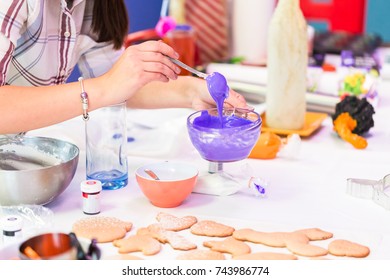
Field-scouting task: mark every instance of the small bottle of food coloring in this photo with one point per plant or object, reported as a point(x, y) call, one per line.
point(91, 196)
point(11, 226)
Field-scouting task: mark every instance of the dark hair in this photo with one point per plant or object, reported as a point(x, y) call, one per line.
point(110, 21)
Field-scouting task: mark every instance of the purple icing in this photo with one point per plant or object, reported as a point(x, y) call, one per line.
point(232, 142)
point(207, 121)
point(219, 90)
point(217, 86)
point(223, 135)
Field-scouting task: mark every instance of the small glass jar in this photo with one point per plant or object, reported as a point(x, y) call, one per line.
point(182, 40)
point(91, 190)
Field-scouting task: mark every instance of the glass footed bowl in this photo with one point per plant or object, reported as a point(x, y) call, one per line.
point(228, 143)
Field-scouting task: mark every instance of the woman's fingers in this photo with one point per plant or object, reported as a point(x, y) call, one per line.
point(156, 62)
point(155, 67)
point(154, 59)
point(236, 100)
point(157, 47)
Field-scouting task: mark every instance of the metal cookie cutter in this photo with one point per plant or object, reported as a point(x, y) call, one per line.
point(371, 189)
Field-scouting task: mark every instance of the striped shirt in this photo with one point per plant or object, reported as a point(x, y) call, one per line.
point(41, 41)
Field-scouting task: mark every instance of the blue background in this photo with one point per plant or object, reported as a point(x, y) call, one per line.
point(143, 14)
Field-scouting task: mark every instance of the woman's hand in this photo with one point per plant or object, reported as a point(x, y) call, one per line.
point(138, 66)
point(201, 98)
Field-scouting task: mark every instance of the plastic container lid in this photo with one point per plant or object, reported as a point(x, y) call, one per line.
point(183, 27)
point(11, 223)
point(91, 186)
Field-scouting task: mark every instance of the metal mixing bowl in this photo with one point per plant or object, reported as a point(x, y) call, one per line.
point(35, 170)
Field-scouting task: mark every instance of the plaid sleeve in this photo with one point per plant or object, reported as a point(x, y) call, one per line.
point(13, 14)
point(94, 58)
point(98, 59)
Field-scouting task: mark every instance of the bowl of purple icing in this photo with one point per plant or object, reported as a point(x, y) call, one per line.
point(224, 138)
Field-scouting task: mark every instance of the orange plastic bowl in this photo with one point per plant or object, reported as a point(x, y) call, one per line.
point(176, 182)
point(267, 146)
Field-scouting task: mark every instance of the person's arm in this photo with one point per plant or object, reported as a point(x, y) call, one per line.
point(185, 92)
point(27, 108)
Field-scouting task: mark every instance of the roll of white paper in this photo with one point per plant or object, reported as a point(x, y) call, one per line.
point(250, 20)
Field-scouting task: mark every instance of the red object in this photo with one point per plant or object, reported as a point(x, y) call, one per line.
point(341, 15)
point(182, 40)
point(141, 36)
point(327, 67)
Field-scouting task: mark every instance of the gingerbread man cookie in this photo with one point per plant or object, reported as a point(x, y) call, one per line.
point(138, 243)
point(212, 229)
point(170, 222)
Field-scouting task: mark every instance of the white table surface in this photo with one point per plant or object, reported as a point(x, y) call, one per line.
point(309, 191)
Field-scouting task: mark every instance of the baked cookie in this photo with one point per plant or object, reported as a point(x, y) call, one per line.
point(305, 249)
point(341, 247)
point(138, 243)
point(298, 242)
point(201, 255)
point(175, 240)
point(229, 245)
point(315, 234)
point(103, 229)
point(212, 229)
point(122, 257)
point(170, 222)
point(272, 239)
point(265, 256)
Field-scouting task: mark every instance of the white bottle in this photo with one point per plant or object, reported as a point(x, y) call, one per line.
point(287, 65)
point(251, 15)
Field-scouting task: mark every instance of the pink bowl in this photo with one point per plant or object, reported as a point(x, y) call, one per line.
point(175, 184)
